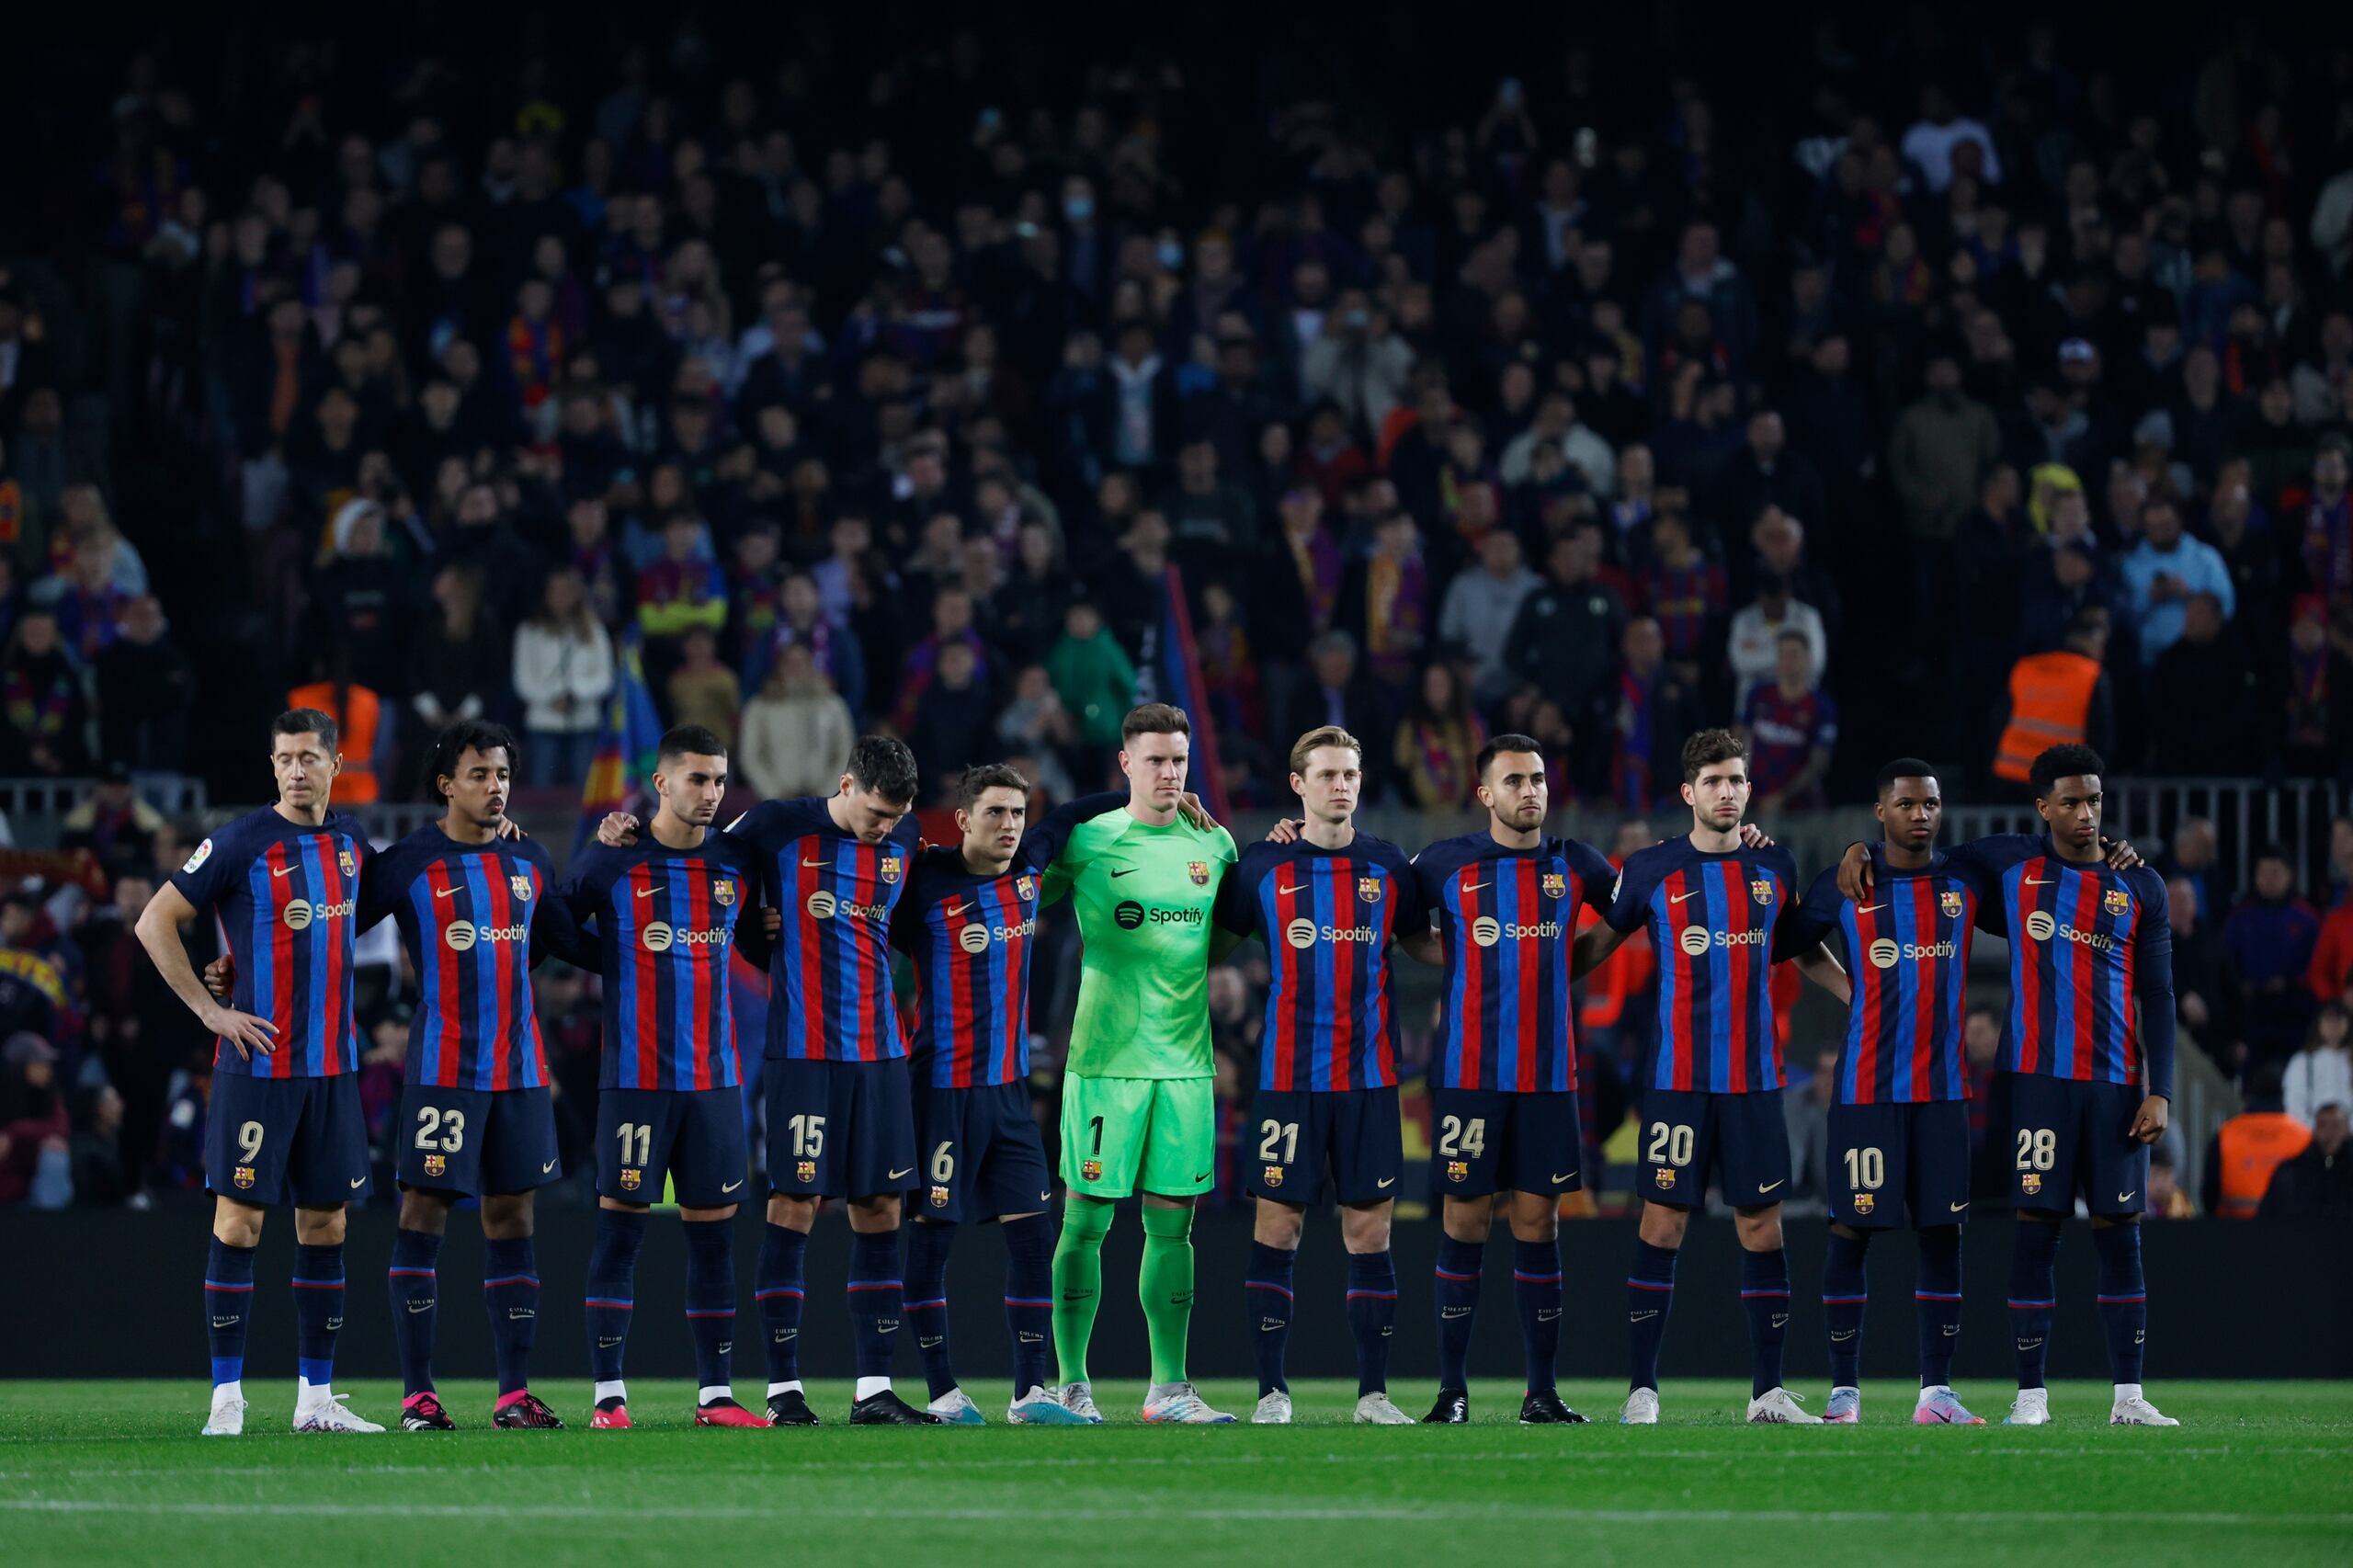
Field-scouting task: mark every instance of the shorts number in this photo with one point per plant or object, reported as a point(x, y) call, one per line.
point(1096, 1123)
point(641, 1134)
point(1457, 1137)
point(808, 1136)
point(1671, 1145)
point(446, 1130)
point(943, 1163)
point(1865, 1168)
point(1273, 1132)
point(249, 1139)
point(2038, 1149)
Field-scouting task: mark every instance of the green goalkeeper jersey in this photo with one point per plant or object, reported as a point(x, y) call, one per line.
point(1143, 895)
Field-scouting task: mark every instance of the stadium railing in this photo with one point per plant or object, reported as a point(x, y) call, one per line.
point(2247, 814)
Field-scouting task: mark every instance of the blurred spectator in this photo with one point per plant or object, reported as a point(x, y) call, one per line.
point(2249, 1147)
point(2321, 1073)
point(1482, 608)
point(701, 689)
point(1658, 709)
point(35, 1164)
point(457, 665)
point(1793, 728)
point(1684, 592)
point(952, 729)
point(114, 825)
point(1566, 640)
point(1808, 1114)
point(1437, 744)
point(2197, 984)
point(2058, 698)
point(146, 689)
point(2267, 944)
point(797, 732)
point(2166, 1199)
point(1753, 646)
point(44, 720)
point(2318, 1183)
point(563, 672)
point(1336, 692)
point(1095, 680)
point(2165, 573)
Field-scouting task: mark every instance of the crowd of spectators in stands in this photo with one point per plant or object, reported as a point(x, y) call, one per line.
point(854, 381)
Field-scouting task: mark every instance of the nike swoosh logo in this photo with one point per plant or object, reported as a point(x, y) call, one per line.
point(417, 1307)
point(1771, 1185)
point(1678, 897)
point(444, 893)
point(1204, 1176)
point(1384, 1184)
point(732, 1185)
point(1559, 1176)
point(896, 1175)
point(281, 870)
point(2124, 1197)
point(1450, 1313)
point(1640, 1317)
point(1958, 1207)
point(949, 911)
point(1128, 872)
point(816, 863)
point(1475, 887)
point(645, 892)
point(1840, 1336)
point(1870, 908)
point(362, 1181)
point(1045, 1198)
point(546, 1169)
point(2040, 881)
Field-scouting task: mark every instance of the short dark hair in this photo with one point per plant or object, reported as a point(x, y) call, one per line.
point(989, 776)
point(1901, 768)
point(688, 740)
point(306, 721)
point(1499, 746)
point(1154, 719)
point(881, 764)
point(1709, 747)
point(455, 741)
point(2055, 763)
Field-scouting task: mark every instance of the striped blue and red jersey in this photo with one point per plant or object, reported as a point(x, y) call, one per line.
point(285, 896)
point(2087, 941)
point(829, 979)
point(664, 920)
point(969, 935)
point(1713, 918)
point(1328, 917)
point(472, 917)
point(1506, 919)
point(1906, 950)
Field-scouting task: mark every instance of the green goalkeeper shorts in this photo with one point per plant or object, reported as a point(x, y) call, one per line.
point(1125, 1135)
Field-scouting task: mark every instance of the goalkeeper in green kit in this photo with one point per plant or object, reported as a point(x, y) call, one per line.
point(1139, 1110)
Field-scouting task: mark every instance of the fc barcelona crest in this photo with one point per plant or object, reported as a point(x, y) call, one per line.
point(348, 861)
point(437, 1164)
point(1556, 885)
point(888, 870)
point(1090, 1170)
point(1199, 871)
point(805, 1172)
point(724, 891)
point(1271, 1176)
point(1664, 1177)
point(1368, 890)
point(1457, 1170)
point(2029, 1183)
point(242, 1176)
point(1865, 1202)
point(1761, 890)
point(1025, 888)
point(2118, 901)
point(630, 1177)
point(1949, 901)
point(940, 1197)
point(520, 886)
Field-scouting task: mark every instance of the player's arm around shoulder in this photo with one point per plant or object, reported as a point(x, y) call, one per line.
point(1629, 908)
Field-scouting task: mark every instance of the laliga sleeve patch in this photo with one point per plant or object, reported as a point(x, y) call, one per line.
point(203, 853)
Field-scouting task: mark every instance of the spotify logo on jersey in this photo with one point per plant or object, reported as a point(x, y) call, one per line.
point(2039, 926)
point(1694, 940)
point(298, 915)
point(1299, 932)
point(1485, 931)
point(1129, 914)
point(973, 938)
point(657, 936)
point(1884, 953)
point(459, 936)
point(821, 905)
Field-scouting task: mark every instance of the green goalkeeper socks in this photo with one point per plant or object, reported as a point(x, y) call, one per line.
point(1166, 1288)
point(1078, 1280)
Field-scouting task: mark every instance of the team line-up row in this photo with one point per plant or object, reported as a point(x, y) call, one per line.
point(926, 1116)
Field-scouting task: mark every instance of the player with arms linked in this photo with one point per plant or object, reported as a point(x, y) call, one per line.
point(285, 1124)
point(968, 920)
point(1328, 900)
point(669, 1105)
point(1711, 1092)
point(2088, 1074)
point(1503, 1080)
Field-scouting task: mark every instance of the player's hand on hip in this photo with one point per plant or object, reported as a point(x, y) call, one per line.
point(220, 976)
point(244, 1032)
point(1755, 837)
point(2149, 1121)
point(2122, 856)
point(1285, 831)
point(617, 831)
point(1189, 806)
point(1855, 872)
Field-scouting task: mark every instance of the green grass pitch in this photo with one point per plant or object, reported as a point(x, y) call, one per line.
point(115, 1473)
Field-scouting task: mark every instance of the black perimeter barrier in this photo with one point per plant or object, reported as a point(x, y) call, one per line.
point(102, 1293)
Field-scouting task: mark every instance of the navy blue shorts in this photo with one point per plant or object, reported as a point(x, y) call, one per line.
point(1489, 1140)
point(2070, 1136)
point(299, 1140)
point(477, 1140)
point(691, 1138)
point(841, 1129)
point(1297, 1134)
point(1688, 1133)
point(1886, 1160)
point(983, 1156)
